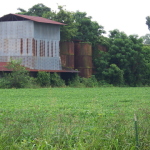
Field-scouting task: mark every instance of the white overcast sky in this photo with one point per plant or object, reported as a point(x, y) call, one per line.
point(126, 15)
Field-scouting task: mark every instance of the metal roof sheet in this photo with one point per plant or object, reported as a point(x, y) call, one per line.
point(33, 18)
point(3, 65)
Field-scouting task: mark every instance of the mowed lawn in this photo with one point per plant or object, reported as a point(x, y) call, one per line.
point(74, 118)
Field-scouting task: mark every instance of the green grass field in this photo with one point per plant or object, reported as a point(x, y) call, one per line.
point(74, 118)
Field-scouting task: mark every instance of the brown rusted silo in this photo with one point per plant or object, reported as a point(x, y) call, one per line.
point(83, 59)
point(102, 48)
point(96, 53)
point(67, 54)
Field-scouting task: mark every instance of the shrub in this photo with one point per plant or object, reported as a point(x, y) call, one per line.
point(90, 82)
point(4, 83)
point(114, 75)
point(103, 83)
point(56, 80)
point(18, 78)
point(75, 81)
point(43, 78)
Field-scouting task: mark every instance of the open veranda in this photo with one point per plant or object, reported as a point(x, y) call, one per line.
point(75, 118)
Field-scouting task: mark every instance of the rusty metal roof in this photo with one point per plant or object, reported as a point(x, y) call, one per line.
point(17, 17)
point(4, 64)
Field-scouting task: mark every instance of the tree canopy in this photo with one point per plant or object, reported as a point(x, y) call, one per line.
point(36, 10)
point(88, 30)
point(148, 21)
point(70, 30)
point(146, 39)
point(124, 61)
point(79, 26)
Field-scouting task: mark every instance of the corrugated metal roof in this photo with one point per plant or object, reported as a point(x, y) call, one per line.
point(69, 71)
point(4, 64)
point(33, 18)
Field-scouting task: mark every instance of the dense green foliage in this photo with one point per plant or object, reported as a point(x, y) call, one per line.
point(146, 67)
point(43, 78)
point(36, 10)
point(148, 21)
point(126, 60)
point(78, 26)
point(114, 75)
point(18, 78)
point(70, 30)
point(146, 39)
point(74, 118)
point(56, 80)
point(88, 30)
point(77, 81)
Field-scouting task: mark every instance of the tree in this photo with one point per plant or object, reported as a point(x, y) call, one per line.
point(101, 63)
point(146, 39)
point(79, 26)
point(124, 58)
point(68, 31)
point(125, 52)
point(114, 75)
point(148, 21)
point(146, 67)
point(36, 10)
point(88, 30)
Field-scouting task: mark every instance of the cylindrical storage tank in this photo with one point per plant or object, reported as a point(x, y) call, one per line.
point(83, 59)
point(97, 49)
point(67, 54)
point(96, 53)
point(102, 48)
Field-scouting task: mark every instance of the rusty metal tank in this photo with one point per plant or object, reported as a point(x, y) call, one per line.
point(67, 54)
point(97, 49)
point(96, 53)
point(102, 48)
point(83, 59)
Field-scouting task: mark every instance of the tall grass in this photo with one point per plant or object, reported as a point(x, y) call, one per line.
point(74, 118)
